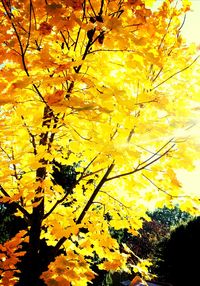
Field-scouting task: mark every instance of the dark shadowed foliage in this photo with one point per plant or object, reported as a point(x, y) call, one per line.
point(180, 255)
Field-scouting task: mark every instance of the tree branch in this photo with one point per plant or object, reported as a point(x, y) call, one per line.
point(143, 167)
point(165, 192)
point(27, 216)
point(32, 137)
point(29, 28)
point(87, 206)
point(157, 152)
point(94, 194)
point(64, 39)
point(113, 198)
point(174, 74)
point(55, 205)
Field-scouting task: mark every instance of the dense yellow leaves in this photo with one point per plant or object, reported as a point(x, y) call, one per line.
point(107, 87)
point(63, 270)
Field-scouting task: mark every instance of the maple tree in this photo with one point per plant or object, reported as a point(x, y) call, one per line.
point(100, 87)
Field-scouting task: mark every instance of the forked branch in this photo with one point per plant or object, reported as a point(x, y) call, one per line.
point(88, 204)
point(18, 206)
point(174, 74)
point(142, 166)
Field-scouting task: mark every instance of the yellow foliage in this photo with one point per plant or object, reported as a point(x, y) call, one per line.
point(10, 254)
point(107, 88)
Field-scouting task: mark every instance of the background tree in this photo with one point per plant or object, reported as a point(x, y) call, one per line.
point(10, 224)
point(153, 232)
point(151, 243)
point(101, 86)
point(170, 218)
point(177, 255)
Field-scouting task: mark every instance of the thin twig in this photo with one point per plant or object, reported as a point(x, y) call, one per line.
point(157, 152)
point(29, 28)
point(88, 165)
point(174, 74)
point(19, 207)
point(101, 8)
point(32, 137)
point(141, 168)
point(64, 39)
point(88, 204)
point(55, 205)
point(110, 50)
point(118, 201)
point(165, 192)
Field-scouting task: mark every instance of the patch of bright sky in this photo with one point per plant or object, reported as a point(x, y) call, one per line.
point(190, 29)
point(191, 26)
point(191, 32)
point(190, 180)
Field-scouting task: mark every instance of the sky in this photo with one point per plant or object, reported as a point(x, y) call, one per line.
point(191, 30)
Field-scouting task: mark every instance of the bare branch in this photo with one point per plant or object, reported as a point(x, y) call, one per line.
point(76, 42)
point(101, 8)
point(182, 24)
point(163, 38)
point(92, 8)
point(32, 137)
point(89, 164)
point(157, 75)
point(89, 203)
point(159, 189)
point(39, 93)
point(92, 173)
point(82, 137)
point(64, 39)
point(157, 152)
point(111, 50)
point(22, 52)
point(55, 205)
point(104, 207)
point(113, 198)
point(27, 216)
point(165, 192)
point(94, 194)
point(29, 28)
point(9, 157)
point(174, 74)
point(143, 167)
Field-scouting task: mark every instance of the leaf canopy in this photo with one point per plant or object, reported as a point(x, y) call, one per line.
point(103, 87)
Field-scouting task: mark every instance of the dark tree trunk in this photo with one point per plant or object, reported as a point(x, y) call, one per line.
point(33, 264)
point(38, 253)
point(30, 266)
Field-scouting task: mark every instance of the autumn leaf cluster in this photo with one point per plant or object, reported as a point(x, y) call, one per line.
point(102, 86)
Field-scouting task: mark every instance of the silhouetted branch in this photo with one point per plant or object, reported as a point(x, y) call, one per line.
point(88, 204)
point(174, 74)
point(143, 167)
point(19, 207)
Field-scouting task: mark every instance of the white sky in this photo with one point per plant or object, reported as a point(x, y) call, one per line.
point(191, 28)
point(191, 32)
